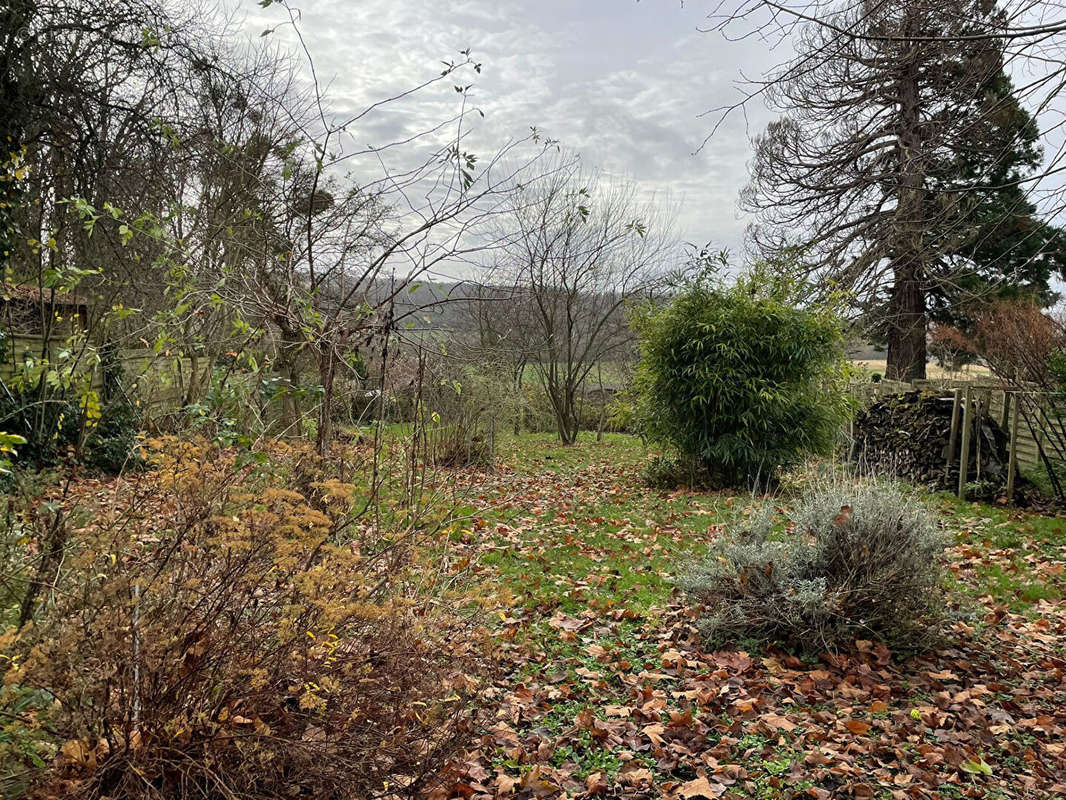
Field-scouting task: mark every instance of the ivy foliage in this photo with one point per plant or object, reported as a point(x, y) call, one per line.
point(745, 378)
point(66, 428)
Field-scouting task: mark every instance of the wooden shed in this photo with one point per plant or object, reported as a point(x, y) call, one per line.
point(30, 310)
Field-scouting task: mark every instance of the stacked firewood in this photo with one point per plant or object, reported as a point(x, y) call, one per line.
point(908, 436)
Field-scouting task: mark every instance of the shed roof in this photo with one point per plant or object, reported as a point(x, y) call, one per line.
point(33, 294)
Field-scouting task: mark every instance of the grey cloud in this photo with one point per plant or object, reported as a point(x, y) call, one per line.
point(621, 82)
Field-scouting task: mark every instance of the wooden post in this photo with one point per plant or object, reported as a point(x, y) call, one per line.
point(964, 454)
point(1012, 458)
point(953, 436)
point(1004, 417)
point(492, 443)
point(983, 405)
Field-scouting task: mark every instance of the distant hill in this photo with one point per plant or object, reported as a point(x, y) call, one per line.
point(436, 306)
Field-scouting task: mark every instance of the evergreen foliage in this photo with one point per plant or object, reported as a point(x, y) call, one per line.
point(741, 377)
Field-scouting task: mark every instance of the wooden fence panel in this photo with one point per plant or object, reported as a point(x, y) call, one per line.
point(20, 346)
point(157, 383)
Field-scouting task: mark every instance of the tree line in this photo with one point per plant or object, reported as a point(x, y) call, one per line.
point(215, 207)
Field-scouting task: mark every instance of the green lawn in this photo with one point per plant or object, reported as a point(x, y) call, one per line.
point(602, 686)
point(596, 682)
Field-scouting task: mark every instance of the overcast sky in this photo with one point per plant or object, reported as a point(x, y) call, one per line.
point(623, 83)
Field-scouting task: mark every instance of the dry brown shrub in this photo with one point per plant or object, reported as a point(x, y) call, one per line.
point(950, 346)
point(225, 630)
point(1016, 338)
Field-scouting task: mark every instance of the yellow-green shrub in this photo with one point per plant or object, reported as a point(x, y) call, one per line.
point(218, 630)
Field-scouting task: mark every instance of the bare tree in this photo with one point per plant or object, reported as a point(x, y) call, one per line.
point(584, 247)
point(498, 323)
point(96, 93)
point(100, 96)
point(228, 154)
point(352, 226)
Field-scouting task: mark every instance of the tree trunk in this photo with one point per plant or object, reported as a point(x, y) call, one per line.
point(573, 424)
point(192, 393)
point(907, 317)
point(562, 401)
point(52, 547)
point(327, 373)
point(565, 425)
point(516, 382)
point(287, 365)
point(602, 422)
point(907, 326)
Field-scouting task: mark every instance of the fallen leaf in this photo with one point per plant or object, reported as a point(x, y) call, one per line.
point(857, 726)
point(700, 787)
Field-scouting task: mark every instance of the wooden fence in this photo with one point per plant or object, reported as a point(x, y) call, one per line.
point(156, 382)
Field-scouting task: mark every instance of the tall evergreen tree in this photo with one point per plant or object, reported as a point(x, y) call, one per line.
point(899, 166)
point(999, 246)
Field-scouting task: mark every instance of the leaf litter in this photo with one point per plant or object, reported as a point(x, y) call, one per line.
point(601, 687)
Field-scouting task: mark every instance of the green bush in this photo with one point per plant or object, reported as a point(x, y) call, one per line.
point(51, 427)
point(855, 561)
point(741, 378)
point(111, 445)
point(57, 430)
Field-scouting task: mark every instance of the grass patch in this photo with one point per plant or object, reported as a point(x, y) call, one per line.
point(1015, 557)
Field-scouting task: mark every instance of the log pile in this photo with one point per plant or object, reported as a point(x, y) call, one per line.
point(906, 436)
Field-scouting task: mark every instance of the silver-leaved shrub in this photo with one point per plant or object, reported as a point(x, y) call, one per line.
point(855, 560)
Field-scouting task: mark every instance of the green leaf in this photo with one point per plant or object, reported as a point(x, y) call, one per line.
point(976, 766)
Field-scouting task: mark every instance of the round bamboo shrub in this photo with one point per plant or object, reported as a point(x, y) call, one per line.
point(741, 378)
